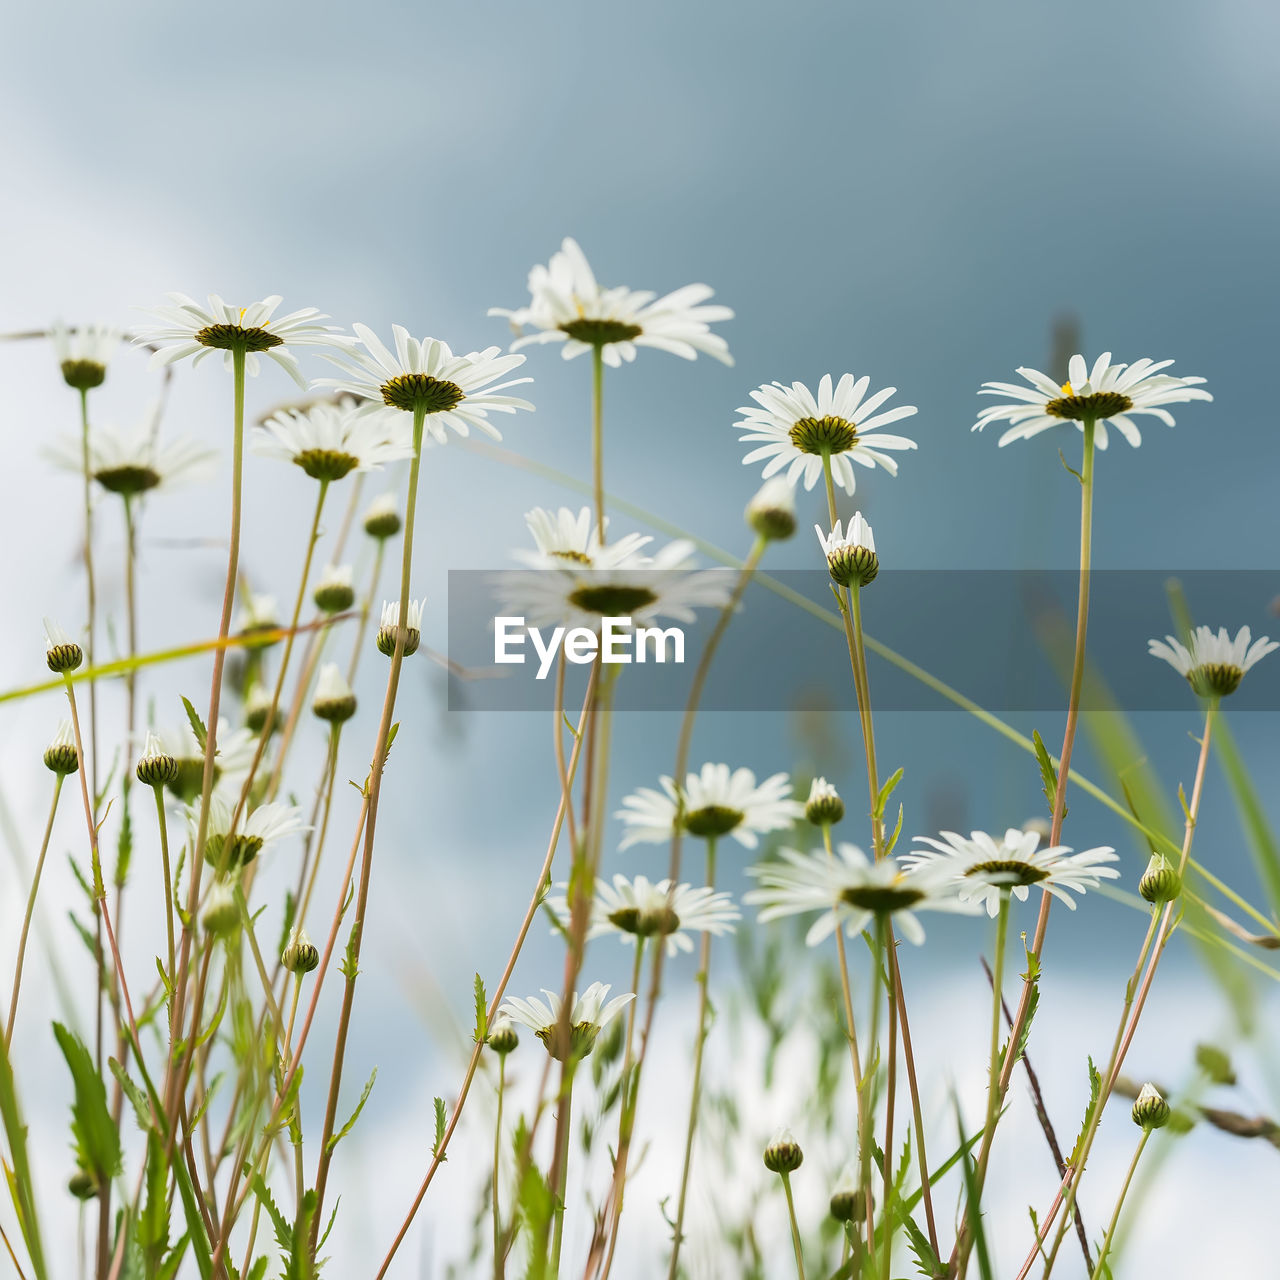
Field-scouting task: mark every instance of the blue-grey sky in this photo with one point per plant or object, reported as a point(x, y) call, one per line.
point(911, 190)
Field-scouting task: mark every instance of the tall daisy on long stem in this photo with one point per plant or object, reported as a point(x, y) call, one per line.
point(441, 390)
point(1090, 398)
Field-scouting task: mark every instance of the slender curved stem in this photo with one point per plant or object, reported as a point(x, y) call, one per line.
point(597, 435)
point(30, 911)
point(564, 1130)
point(795, 1228)
point(497, 1157)
point(1115, 1217)
point(695, 1096)
point(163, 824)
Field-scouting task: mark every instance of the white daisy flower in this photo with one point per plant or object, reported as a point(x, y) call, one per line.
point(640, 909)
point(330, 441)
point(83, 353)
point(851, 554)
point(233, 757)
point(135, 461)
point(581, 582)
point(254, 834)
point(567, 305)
point(717, 802)
point(798, 429)
point(1114, 393)
point(454, 390)
point(588, 1015)
point(335, 589)
point(824, 807)
point(257, 613)
point(382, 517)
point(333, 699)
point(985, 870)
point(851, 889)
point(188, 329)
point(568, 538)
point(389, 625)
point(1214, 665)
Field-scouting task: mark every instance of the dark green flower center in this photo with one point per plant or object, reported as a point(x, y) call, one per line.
point(1215, 678)
point(824, 435)
point(651, 922)
point(883, 899)
point(83, 375)
point(234, 337)
point(712, 820)
point(326, 464)
point(1099, 405)
point(1008, 873)
point(410, 391)
point(612, 600)
point(853, 565)
point(600, 333)
point(127, 480)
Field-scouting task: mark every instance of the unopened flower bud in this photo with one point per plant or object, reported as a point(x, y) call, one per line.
point(333, 699)
point(81, 1184)
point(824, 807)
point(221, 912)
point(156, 767)
point(1160, 881)
point(382, 520)
point(772, 512)
point(335, 592)
point(258, 617)
point(783, 1154)
point(258, 710)
point(851, 556)
point(847, 1202)
point(502, 1037)
point(301, 955)
point(60, 755)
point(390, 625)
point(1150, 1111)
point(60, 651)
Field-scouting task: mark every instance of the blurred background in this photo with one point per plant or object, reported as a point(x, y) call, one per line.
point(929, 194)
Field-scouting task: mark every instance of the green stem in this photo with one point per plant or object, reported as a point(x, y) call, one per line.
point(997, 987)
point(865, 1141)
point(564, 1127)
point(163, 822)
point(795, 1229)
point(695, 1098)
point(30, 911)
point(597, 434)
point(92, 591)
point(1098, 1269)
point(497, 1155)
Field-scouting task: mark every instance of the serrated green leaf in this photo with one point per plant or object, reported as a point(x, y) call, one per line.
point(442, 1115)
point(885, 792)
point(355, 1115)
point(97, 1142)
point(482, 1012)
point(197, 726)
point(1095, 1089)
point(18, 1176)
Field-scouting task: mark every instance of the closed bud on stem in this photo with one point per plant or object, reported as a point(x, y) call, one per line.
point(1150, 1111)
point(335, 590)
point(783, 1154)
point(847, 1204)
point(60, 755)
point(390, 626)
point(60, 651)
point(301, 955)
point(333, 699)
point(258, 710)
point(221, 915)
point(851, 556)
point(772, 512)
point(382, 520)
point(502, 1037)
point(824, 807)
point(82, 1185)
point(156, 767)
point(1160, 881)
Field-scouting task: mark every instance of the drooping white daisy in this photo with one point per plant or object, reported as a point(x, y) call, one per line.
point(824, 808)
point(1213, 664)
point(454, 391)
point(640, 909)
point(578, 582)
point(382, 518)
point(798, 429)
point(984, 869)
point(389, 625)
point(333, 699)
point(717, 802)
point(1114, 393)
point(255, 832)
point(329, 441)
point(257, 613)
point(135, 461)
point(83, 353)
point(567, 305)
point(233, 757)
point(588, 1015)
point(188, 329)
point(851, 554)
point(568, 538)
point(851, 889)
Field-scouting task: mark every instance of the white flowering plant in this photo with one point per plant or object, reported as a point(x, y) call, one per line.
point(210, 1086)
